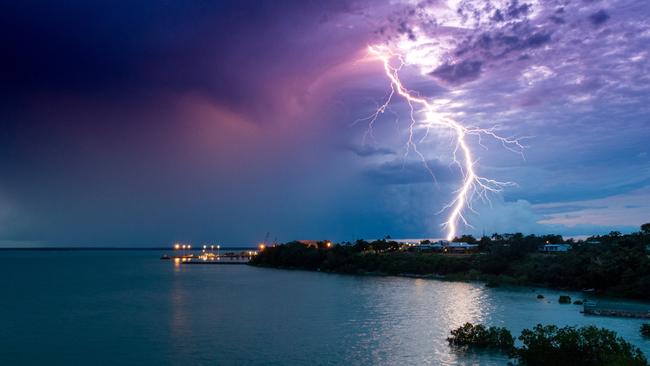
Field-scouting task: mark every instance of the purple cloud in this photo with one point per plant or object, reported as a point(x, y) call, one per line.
point(458, 73)
point(599, 17)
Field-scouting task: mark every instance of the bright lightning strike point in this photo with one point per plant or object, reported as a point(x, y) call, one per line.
point(473, 185)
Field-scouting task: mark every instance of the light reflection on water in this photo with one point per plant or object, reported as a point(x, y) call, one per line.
point(131, 308)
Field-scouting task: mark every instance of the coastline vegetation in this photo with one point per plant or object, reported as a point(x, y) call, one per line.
point(482, 337)
point(612, 264)
point(645, 329)
point(551, 345)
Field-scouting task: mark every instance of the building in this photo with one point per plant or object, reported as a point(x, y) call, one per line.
point(461, 247)
point(448, 247)
point(430, 247)
point(555, 248)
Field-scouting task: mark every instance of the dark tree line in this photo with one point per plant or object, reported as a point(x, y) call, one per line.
point(614, 264)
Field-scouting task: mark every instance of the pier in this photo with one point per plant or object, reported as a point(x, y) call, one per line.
point(209, 254)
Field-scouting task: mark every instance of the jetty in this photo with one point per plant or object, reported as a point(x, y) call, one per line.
point(209, 254)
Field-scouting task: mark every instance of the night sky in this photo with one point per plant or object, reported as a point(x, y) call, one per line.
point(140, 123)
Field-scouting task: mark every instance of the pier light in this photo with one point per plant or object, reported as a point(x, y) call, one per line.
point(205, 246)
point(262, 246)
point(189, 247)
point(176, 246)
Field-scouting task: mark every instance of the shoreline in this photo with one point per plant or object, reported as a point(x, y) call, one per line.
point(614, 265)
point(485, 282)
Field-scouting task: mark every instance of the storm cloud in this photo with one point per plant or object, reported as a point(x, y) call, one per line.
point(143, 123)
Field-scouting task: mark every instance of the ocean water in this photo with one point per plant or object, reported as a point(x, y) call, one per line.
point(130, 308)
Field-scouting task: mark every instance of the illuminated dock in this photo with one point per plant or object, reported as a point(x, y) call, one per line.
point(209, 254)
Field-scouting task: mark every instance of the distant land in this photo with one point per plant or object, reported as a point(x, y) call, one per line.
point(614, 264)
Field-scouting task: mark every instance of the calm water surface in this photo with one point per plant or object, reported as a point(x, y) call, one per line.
point(130, 308)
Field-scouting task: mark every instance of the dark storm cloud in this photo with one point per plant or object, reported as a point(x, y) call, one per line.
point(368, 150)
point(516, 10)
point(599, 17)
point(488, 47)
point(535, 40)
point(79, 46)
point(152, 121)
point(495, 45)
point(513, 10)
point(462, 72)
point(396, 172)
point(213, 48)
point(110, 109)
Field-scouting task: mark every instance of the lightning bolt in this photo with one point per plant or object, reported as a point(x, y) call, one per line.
point(473, 186)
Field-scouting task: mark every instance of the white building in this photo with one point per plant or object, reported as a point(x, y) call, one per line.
point(431, 246)
point(447, 246)
point(461, 247)
point(553, 248)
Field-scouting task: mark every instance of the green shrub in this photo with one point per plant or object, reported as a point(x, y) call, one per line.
point(570, 346)
point(550, 345)
point(478, 336)
point(645, 329)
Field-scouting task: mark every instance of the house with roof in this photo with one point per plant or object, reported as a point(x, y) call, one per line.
point(555, 248)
